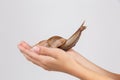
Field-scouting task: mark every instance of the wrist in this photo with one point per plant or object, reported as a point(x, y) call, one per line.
point(76, 70)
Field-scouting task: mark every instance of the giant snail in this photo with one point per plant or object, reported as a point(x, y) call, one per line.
point(62, 43)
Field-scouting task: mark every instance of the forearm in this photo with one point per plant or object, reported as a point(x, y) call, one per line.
point(86, 63)
point(91, 66)
point(86, 74)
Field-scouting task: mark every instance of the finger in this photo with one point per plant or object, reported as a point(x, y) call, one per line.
point(53, 52)
point(28, 52)
point(41, 43)
point(26, 45)
point(35, 61)
point(19, 47)
point(31, 57)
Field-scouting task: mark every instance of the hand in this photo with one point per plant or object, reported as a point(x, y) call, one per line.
point(48, 58)
point(54, 59)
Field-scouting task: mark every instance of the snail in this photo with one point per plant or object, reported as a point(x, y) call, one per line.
point(62, 43)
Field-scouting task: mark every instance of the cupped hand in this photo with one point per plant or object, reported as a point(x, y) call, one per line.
point(52, 59)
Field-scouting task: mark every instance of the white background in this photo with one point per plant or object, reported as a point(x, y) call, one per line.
point(35, 20)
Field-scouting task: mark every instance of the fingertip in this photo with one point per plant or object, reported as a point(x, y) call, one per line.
point(41, 50)
point(25, 44)
point(21, 47)
point(36, 49)
point(21, 43)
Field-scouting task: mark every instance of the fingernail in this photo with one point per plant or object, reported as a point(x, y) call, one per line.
point(36, 49)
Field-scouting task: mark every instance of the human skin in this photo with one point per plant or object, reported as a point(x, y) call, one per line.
point(89, 65)
point(52, 59)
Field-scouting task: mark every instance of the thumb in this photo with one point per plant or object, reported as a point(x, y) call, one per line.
point(52, 52)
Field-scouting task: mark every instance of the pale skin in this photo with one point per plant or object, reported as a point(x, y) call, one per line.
point(55, 59)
